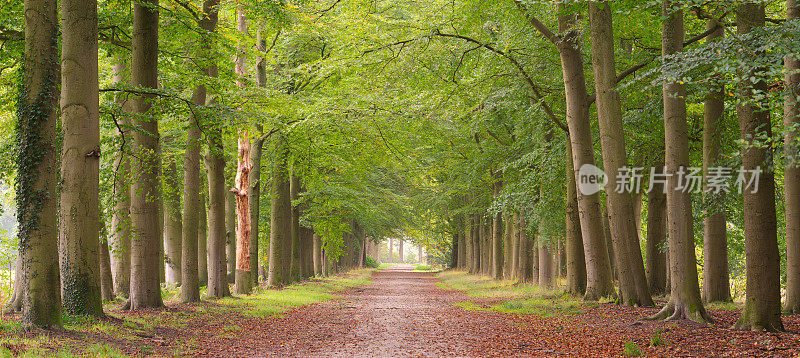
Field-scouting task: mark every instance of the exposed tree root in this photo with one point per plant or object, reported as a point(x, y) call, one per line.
point(676, 311)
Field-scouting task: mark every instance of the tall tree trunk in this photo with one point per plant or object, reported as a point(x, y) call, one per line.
point(215, 170)
point(657, 235)
point(573, 245)
point(79, 209)
point(508, 246)
point(202, 240)
point(462, 244)
point(391, 249)
point(193, 211)
point(297, 257)
point(307, 243)
point(400, 251)
point(145, 288)
point(106, 282)
point(243, 227)
point(121, 218)
point(546, 275)
point(256, 150)
point(533, 251)
point(497, 240)
point(230, 236)
point(762, 308)
point(632, 279)
point(173, 237)
point(684, 300)
point(524, 250)
point(791, 176)
point(598, 265)
point(716, 285)
point(14, 304)
point(281, 218)
point(318, 263)
point(37, 200)
point(513, 218)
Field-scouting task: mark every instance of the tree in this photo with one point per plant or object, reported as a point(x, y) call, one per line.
point(242, 192)
point(281, 225)
point(791, 177)
point(657, 234)
point(633, 283)
point(79, 209)
point(145, 288)
point(172, 224)
point(120, 238)
point(715, 239)
point(193, 232)
point(684, 301)
point(762, 308)
point(230, 235)
point(37, 139)
point(497, 239)
point(576, 259)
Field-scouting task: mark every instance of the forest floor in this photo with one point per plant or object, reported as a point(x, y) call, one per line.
point(397, 312)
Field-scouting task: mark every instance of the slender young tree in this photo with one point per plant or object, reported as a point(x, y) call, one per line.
point(791, 176)
point(632, 279)
point(37, 202)
point(79, 209)
point(145, 290)
point(762, 307)
point(120, 238)
point(684, 300)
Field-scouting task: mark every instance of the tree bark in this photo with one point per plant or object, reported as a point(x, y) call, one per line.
point(281, 218)
point(391, 249)
point(202, 240)
point(173, 237)
point(106, 282)
point(215, 170)
point(243, 227)
point(598, 265)
point(497, 240)
point(14, 304)
point(297, 256)
point(632, 279)
point(545, 265)
point(121, 218)
point(400, 251)
point(762, 308)
point(318, 263)
point(194, 222)
point(230, 236)
point(145, 291)
point(508, 245)
point(524, 251)
point(716, 286)
point(657, 236)
point(79, 209)
point(791, 176)
point(573, 245)
point(256, 150)
point(684, 300)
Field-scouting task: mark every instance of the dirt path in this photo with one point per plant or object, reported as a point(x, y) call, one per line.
point(405, 314)
point(401, 314)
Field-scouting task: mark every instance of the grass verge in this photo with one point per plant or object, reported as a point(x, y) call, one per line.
point(170, 331)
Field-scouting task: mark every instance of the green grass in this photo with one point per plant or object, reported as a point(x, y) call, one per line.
point(262, 303)
point(386, 265)
point(424, 268)
point(631, 349)
point(515, 298)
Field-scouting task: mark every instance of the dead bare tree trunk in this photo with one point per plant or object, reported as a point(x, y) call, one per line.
point(242, 191)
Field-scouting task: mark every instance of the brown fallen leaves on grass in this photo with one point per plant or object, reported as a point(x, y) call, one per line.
point(400, 314)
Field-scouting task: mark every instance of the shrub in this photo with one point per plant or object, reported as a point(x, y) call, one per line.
point(371, 263)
